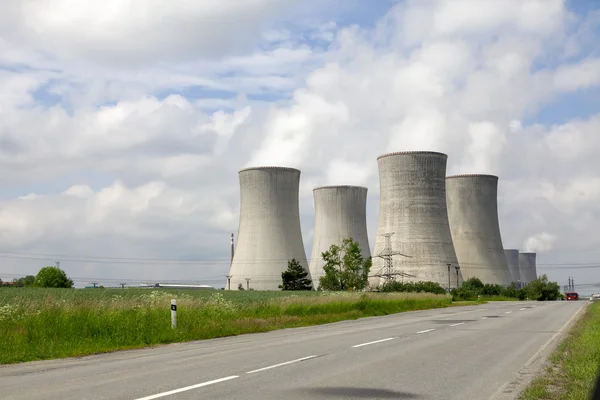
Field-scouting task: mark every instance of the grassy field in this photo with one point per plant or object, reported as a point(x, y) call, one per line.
point(574, 366)
point(37, 324)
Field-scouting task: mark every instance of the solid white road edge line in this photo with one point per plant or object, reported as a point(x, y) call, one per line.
point(281, 364)
point(460, 323)
point(426, 330)
point(184, 389)
point(376, 341)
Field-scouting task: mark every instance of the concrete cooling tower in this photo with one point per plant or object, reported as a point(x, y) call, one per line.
point(473, 214)
point(527, 267)
point(340, 212)
point(512, 259)
point(269, 234)
point(413, 207)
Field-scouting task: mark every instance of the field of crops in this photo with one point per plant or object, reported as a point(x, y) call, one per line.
point(49, 323)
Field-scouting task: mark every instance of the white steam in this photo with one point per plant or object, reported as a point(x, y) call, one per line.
point(540, 242)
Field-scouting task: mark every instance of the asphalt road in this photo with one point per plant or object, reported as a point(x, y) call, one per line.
point(475, 352)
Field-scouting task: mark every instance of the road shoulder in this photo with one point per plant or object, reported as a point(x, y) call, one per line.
point(537, 363)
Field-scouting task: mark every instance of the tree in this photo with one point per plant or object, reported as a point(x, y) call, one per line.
point(28, 280)
point(295, 277)
point(541, 289)
point(52, 277)
point(345, 268)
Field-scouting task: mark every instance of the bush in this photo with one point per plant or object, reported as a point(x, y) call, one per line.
point(413, 287)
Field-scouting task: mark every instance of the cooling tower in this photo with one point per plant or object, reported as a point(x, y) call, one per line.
point(340, 212)
point(269, 234)
point(512, 259)
point(473, 214)
point(527, 267)
point(412, 206)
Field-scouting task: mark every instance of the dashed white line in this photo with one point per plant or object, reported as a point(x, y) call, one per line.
point(483, 317)
point(508, 312)
point(376, 341)
point(184, 389)
point(523, 309)
point(281, 364)
point(460, 323)
point(426, 330)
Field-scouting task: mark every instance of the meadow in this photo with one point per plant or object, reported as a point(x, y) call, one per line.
point(37, 324)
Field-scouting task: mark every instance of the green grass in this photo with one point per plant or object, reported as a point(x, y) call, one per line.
point(574, 365)
point(37, 324)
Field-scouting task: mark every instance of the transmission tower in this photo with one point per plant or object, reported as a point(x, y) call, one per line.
point(388, 272)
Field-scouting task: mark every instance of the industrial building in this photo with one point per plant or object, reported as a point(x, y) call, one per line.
point(512, 259)
point(527, 267)
point(473, 215)
point(269, 233)
point(413, 210)
point(340, 213)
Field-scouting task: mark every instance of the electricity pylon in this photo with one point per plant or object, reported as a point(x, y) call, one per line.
point(388, 272)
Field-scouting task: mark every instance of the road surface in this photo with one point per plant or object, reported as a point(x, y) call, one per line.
point(474, 352)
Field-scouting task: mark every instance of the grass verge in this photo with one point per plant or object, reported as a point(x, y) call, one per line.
point(573, 367)
point(37, 324)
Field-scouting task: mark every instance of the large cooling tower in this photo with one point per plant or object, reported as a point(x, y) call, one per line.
point(473, 215)
point(512, 259)
point(340, 212)
point(412, 206)
point(269, 234)
point(527, 267)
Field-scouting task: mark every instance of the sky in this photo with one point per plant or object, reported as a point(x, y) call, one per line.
point(123, 125)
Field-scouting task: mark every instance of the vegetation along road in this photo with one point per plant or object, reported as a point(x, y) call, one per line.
point(472, 352)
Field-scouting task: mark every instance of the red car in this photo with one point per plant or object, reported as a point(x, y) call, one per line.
point(572, 296)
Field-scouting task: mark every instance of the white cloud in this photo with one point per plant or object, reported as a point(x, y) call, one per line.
point(540, 242)
point(139, 156)
point(137, 31)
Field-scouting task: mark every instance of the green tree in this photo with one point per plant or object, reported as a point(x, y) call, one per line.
point(52, 277)
point(28, 280)
point(345, 268)
point(473, 284)
point(541, 289)
point(295, 277)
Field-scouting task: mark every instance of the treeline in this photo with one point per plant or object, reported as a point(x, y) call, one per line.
point(48, 277)
point(540, 289)
point(24, 281)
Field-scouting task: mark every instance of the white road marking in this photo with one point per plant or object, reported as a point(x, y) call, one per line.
point(426, 330)
point(483, 317)
point(460, 323)
point(376, 341)
point(184, 389)
point(281, 364)
point(523, 309)
point(508, 312)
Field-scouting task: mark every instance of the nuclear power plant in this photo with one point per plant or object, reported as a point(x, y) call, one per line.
point(413, 209)
point(431, 227)
point(340, 212)
point(512, 259)
point(473, 214)
point(527, 267)
point(269, 233)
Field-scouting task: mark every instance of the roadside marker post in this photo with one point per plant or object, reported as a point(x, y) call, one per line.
point(173, 314)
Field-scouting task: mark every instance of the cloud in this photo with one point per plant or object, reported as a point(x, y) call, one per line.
point(137, 31)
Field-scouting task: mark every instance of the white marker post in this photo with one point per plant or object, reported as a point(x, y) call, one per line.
point(173, 314)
